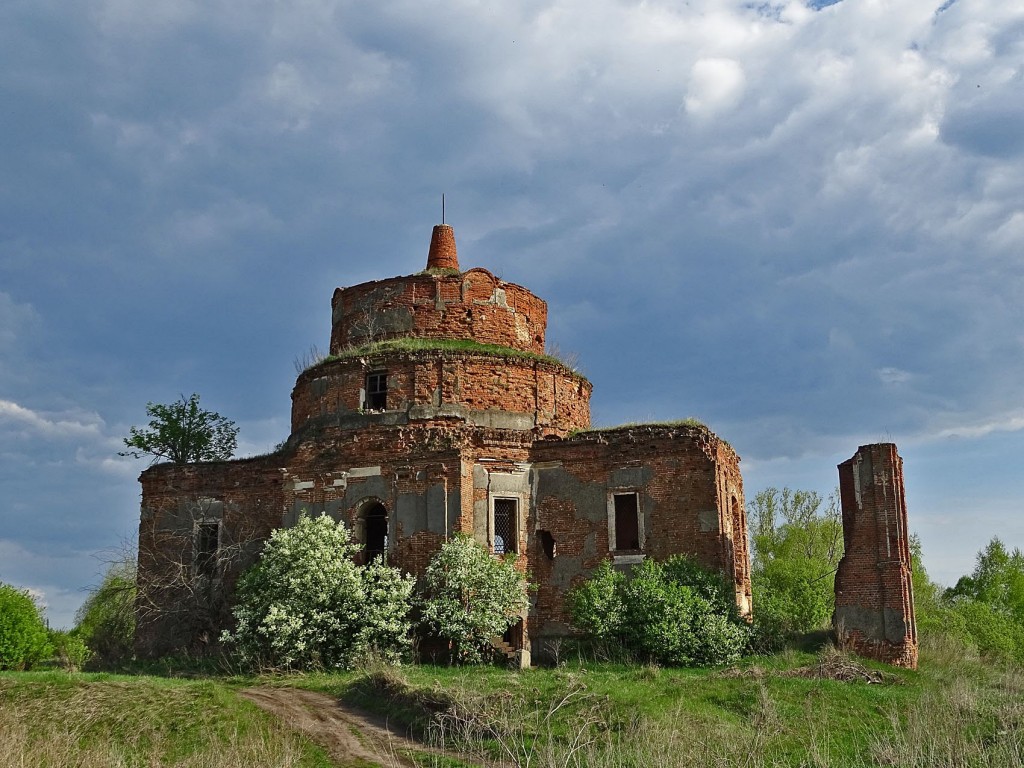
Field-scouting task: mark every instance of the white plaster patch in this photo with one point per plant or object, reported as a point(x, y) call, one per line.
point(364, 472)
point(708, 520)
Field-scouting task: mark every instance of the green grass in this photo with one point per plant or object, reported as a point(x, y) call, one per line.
point(687, 422)
point(411, 344)
point(956, 711)
point(60, 719)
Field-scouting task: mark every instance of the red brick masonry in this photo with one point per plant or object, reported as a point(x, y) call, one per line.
point(874, 613)
point(462, 431)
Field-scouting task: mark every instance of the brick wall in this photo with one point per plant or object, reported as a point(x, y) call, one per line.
point(556, 399)
point(685, 478)
point(176, 607)
point(457, 427)
point(436, 478)
point(471, 305)
point(874, 613)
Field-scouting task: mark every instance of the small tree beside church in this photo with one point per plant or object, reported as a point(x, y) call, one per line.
point(183, 433)
point(470, 597)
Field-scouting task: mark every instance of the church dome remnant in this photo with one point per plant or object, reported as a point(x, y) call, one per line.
point(439, 410)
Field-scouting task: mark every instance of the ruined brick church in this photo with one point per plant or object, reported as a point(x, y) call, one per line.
point(438, 412)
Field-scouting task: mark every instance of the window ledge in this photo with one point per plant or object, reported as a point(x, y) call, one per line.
point(628, 559)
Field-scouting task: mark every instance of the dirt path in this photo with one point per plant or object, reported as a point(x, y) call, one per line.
point(348, 735)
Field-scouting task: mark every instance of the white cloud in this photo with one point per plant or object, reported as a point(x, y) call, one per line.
point(1007, 422)
point(39, 571)
point(124, 18)
point(211, 227)
point(716, 85)
point(103, 458)
point(890, 375)
point(73, 425)
point(16, 320)
point(803, 224)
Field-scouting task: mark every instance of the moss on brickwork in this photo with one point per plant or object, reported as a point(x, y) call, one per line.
point(652, 426)
point(459, 346)
point(687, 422)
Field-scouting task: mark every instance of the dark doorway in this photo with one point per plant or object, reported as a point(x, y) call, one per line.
point(207, 543)
point(375, 520)
point(627, 521)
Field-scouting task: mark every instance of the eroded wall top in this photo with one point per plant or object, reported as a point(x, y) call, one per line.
point(439, 303)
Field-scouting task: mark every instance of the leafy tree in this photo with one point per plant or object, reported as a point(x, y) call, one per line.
point(796, 550)
point(997, 580)
point(993, 631)
point(305, 604)
point(935, 615)
point(183, 433)
point(23, 637)
point(106, 620)
point(675, 612)
point(470, 596)
point(990, 602)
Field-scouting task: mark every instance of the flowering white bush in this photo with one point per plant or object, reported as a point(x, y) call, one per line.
point(470, 596)
point(306, 604)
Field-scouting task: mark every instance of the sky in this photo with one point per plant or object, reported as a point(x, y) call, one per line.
point(800, 222)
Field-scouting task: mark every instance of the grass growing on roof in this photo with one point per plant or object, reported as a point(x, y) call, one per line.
point(417, 344)
point(689, 421)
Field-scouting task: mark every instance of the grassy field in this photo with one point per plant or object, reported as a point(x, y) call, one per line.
point(785, 710)
point(792, 709)
point(53, 719)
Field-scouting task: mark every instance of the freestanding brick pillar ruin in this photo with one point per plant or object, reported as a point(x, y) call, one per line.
point(874, 614)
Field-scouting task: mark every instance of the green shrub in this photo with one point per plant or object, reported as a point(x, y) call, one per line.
point(23, 635)
point(674, 613)
point(994, 632)
point(985, 609)
point(306, 605)
point(596, 604)
point(385, 627)
point(796, 548)
point(106, 620)
point(470, 596)
point(69, 650)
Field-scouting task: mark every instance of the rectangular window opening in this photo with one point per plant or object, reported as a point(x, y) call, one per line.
point(376, 391)
point(506, 528)
point(207, 544)
point(627, 521)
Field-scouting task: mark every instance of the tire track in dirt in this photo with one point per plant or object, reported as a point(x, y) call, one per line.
point(347, 734)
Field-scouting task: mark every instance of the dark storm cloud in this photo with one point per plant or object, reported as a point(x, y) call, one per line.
point(799, 222)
